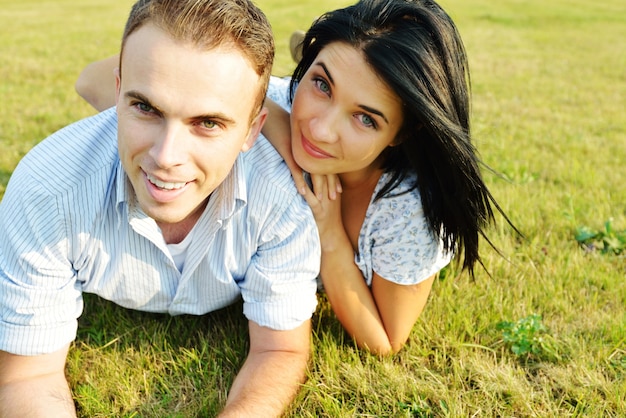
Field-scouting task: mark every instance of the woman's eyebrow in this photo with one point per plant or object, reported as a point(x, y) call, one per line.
point(374, 111)
point(330, 77)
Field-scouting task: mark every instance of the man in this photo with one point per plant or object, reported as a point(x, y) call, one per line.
point(175, 216)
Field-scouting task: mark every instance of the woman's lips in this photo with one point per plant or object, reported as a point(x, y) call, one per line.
point(314, 151)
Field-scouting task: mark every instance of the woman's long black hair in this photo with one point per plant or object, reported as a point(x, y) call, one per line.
point(416, 49)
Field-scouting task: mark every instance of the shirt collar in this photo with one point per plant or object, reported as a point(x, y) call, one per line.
point(231, 195)
point(122, 191)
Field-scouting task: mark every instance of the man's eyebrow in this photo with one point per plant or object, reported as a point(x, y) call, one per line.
point(133, 94)
point(222, 117)
point(362, 106)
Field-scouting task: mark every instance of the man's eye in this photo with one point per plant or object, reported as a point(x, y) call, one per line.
point(208, 124)
point(143, 107)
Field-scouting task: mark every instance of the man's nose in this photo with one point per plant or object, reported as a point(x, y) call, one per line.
point(169, 148)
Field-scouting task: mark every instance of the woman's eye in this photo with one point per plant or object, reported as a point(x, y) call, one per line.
point(367, 121)
point(322, 86)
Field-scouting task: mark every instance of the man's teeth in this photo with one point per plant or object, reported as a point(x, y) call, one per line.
point(164, 185)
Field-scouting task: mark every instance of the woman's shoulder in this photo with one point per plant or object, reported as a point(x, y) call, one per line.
point(397, 217)
point(398, 238)
point(403, 200)
point(278, 91)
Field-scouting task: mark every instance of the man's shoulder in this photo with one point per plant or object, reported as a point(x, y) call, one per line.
point(97, 133)
point(266, 168)
point(74, 153)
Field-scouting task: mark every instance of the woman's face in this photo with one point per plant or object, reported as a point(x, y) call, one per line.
point(343, 116)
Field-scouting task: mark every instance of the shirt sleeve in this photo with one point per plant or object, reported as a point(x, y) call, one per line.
point(39, 298)
point(398, 243)
point(279, 287)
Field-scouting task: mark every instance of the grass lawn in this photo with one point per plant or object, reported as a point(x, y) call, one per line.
point(542, 335)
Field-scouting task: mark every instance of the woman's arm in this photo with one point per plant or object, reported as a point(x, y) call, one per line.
point(380, 319)
point(277, 130)
point(96, 83)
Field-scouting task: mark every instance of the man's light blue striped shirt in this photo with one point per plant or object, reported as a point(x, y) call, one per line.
point(70, 225)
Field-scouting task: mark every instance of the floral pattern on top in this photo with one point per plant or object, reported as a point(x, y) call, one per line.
point(395, 239)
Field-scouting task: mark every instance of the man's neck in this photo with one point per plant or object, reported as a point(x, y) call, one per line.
point(174, 233)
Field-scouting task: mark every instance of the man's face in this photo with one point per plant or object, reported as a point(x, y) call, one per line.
point(184, 116)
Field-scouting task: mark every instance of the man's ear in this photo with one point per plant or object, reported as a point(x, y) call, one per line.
point(118, 82)
point(255, 129)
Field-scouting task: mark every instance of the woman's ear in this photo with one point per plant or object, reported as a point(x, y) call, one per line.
point(397, 140)
point(404, 134)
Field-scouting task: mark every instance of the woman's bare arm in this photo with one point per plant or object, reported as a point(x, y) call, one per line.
point(96, 83)
point(380, 318)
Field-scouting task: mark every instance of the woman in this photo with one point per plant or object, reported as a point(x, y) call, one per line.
point(380, 112)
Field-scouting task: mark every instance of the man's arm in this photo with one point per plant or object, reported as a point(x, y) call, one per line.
point(35, 386)
point(272, 374)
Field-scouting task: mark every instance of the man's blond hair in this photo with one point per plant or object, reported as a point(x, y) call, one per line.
point(207, 24)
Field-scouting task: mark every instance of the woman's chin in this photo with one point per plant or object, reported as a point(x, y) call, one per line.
point(307, 164)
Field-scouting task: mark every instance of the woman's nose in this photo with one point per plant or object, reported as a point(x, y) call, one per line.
point(324, 126)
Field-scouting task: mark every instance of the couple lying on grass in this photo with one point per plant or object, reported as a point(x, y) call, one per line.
point(379, 124)
point(167, 206)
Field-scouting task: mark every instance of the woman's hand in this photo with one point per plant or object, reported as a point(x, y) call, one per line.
point(323, 199)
